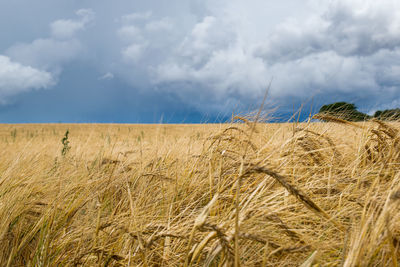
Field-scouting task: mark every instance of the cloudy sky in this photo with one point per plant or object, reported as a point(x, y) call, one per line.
point(193, 60)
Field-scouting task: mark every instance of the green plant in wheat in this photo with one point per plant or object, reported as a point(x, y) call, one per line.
point(14, 134)
point(65, 142)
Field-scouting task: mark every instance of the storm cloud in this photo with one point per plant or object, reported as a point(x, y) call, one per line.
point(206, 57)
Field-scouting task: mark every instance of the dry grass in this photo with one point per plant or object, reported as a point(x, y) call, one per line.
point(173, 195)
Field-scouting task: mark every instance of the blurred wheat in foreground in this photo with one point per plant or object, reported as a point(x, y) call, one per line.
point(317, 194)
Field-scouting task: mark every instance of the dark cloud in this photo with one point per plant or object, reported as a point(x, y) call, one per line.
point(148, 58)
point(93, 100)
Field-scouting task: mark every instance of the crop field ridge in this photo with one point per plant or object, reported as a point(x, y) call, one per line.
point(294, 194)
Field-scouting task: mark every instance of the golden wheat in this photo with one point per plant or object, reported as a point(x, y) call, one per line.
point(172, 195)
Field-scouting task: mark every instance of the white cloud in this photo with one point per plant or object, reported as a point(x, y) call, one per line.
point(164, 24)
point(214, 59)
point(138, 38)
point(35, 65)
point(16, 78)
point(206, 37)
point(227, 71)
point(325, 72)
point(67, 28)
point(133, 17)
point(133, 52)
point(130, 33)
point(107, 76)
point(348, 47)
point(60, 48)
point(230, 49)
point(87, 15)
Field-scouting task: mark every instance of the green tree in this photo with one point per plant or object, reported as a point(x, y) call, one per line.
point(338, 107)
point(344, 110)
point(388, 114)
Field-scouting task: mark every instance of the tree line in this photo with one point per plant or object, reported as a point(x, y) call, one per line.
point(348, 111)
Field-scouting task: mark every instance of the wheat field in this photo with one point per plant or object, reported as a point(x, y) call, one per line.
point(294, 194)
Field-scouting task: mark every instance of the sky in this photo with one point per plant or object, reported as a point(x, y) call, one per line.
point(191, 61)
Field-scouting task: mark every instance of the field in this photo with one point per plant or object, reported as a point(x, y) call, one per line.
point(324, 194)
